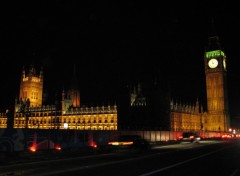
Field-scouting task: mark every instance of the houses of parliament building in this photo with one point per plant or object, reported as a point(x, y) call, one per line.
point(167, 114)
point(29, 111)
point(216, 118)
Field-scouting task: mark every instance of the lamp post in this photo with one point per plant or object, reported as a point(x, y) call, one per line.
point(219, 129)
point(25, 110)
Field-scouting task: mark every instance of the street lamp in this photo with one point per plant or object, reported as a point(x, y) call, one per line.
point(65, 125)
point(25, 110)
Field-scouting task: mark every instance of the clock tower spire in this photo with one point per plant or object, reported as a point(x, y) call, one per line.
point(216, 86)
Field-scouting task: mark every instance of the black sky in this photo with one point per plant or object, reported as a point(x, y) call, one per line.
point(114, 43)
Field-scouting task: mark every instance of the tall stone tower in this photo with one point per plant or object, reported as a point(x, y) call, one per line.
point(216, 86)
point(31, 87)
point(73, 93)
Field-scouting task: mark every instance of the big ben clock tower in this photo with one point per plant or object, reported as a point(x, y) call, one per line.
point(216, 87)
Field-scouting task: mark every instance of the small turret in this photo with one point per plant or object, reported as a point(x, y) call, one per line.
point(23, 73)
point(63, 102)
point(31, 71)
point(139, 89)
point(73, 93)
point(41, 74)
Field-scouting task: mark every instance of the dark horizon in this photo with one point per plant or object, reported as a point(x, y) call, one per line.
point(113, 44)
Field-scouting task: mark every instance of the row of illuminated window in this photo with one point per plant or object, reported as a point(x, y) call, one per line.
point(42, 108)
point(35, 79)
point(89, 118)
point(3, 122)
point(56, 121)
point(94, 127)
point(89, 121)
point(39, 114)
point(108, 109)
point(90, 111)
point(34, 95)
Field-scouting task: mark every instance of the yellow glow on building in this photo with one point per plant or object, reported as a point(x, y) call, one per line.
point(77, 120)
point(3, 120)
point(70, 113)
point(31, 87)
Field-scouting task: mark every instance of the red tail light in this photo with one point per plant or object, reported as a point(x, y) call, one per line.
point(57, 147)
point(33, 149)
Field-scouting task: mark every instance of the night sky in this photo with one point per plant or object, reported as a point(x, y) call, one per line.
point(113, 44)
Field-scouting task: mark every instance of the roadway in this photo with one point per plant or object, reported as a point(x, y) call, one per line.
point(220, 158)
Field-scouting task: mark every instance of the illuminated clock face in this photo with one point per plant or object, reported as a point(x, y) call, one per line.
point(213, 63)
point(224, 63)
